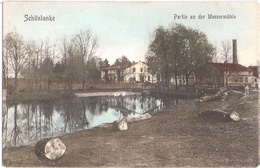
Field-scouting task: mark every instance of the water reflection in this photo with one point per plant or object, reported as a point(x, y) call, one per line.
point(26, 123)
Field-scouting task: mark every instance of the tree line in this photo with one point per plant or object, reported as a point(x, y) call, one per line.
point(172, 52)
point(38, 63)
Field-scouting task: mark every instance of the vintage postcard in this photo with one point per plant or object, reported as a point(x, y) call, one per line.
point(130, 83)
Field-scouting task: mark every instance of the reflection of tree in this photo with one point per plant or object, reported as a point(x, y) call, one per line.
point(15, 134)
point(75, 117)
point(84, 118)
point(33, 121)
point(4, 122)
point(47, 110)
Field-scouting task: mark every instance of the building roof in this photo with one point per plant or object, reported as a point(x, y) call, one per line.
point(120, 66)
point(255, 70)
point(228, 67)
point(117, 66)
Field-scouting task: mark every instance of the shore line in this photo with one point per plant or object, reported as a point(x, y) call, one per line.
point(94, 94)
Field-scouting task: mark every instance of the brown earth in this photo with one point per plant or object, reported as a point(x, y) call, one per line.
point(173, 138)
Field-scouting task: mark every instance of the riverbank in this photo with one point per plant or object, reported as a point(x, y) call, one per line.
point(33, 96)
point(24, 97)
point(174, 137)
point(94, 94)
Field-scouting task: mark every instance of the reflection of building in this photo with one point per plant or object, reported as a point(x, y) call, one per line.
point(128, 72)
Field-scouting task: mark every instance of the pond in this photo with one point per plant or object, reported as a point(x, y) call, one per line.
point(27, 123)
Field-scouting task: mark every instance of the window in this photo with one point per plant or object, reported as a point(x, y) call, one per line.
point(148, 69)
point(149, 78)
point(246, 79)
point(141, 70)
point(133, 69)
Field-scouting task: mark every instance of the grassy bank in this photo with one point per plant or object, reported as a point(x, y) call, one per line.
point(34, 96)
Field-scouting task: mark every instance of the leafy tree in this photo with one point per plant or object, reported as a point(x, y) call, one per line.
point(47, 70)
point(93, 73)
point(196, 51)
point(178, 50)
point(104, 64)
point(158, 53)
point(58, 71)
point(122, 60)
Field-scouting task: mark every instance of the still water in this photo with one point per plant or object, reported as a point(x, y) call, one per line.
point(29, 122)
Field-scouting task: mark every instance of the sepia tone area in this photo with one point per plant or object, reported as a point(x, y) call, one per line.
point(108, 84)
point(173, 137)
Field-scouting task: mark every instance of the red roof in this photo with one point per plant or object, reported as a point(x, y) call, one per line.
point(228, 67)
point(255, 70)
point(118, 66)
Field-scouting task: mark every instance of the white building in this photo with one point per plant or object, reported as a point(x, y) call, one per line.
point(128, 72)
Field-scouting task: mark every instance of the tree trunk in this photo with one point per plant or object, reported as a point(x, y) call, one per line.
point(220, 115)
point(187, 80)
point(83, 84)
point(176, 80)
point(70, 86)
point(15, 83)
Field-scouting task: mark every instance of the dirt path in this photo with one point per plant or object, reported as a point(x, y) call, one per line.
point(171, 138)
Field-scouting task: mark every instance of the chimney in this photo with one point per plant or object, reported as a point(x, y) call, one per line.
point(235, 61)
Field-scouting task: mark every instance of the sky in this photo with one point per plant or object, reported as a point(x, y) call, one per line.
point(125, 28)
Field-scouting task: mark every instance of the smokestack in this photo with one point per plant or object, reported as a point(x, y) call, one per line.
point(235, 61)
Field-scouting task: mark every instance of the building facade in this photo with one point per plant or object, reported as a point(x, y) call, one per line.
point(227, 74)
point(256, 71)
point(136, 72)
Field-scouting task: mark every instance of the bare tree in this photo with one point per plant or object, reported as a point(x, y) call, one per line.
point(70, 63)
point(16, 54)
point(28, 70)
point(86, 47)
point(226, 51)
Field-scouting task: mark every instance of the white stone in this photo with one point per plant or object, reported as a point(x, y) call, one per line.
point(235, 116)
point(122, 125)
point(54, 149)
